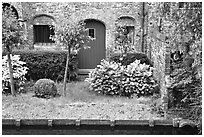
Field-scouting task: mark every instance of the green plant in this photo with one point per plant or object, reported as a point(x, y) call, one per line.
point(111, 78)
point(45, 88)
point(126, 59)
point(19, 72)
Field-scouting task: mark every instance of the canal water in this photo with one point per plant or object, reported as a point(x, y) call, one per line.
point(97, 130)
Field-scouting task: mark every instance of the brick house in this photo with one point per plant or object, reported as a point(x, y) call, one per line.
point(140, 18)
point(100, 19)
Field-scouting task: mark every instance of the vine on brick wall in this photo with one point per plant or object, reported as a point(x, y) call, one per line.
point(182, 22)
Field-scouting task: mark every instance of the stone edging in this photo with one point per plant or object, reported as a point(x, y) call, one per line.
point(177, 122)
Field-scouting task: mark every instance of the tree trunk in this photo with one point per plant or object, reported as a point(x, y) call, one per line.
point(66, 71)
point(13, 92)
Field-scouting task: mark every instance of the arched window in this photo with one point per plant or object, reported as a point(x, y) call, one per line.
point(128, 23)
point(13, 9)
point(43, 28)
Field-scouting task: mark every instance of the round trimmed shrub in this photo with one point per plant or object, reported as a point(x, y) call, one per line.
point(126, 59)
point(45, 88)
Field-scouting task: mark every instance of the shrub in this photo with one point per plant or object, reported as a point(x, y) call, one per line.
point(112, 78)
point(45, 88)
point(47, 64)
point(187, 92)
point(187, 84)
point(19, 72)
point(126, 59)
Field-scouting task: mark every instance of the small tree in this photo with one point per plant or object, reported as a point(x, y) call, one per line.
point(12, 36)
point(74, 37)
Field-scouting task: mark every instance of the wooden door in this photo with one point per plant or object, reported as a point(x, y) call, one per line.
point(90, 58)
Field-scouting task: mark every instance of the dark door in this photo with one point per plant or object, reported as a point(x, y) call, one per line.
point(91, 57)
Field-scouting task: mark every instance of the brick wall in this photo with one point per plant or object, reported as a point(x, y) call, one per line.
point(106, 12)
point(158, 50)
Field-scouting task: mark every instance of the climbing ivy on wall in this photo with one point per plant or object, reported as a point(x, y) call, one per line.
point(182, 24)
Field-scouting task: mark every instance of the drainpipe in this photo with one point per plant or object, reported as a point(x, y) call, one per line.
point(142, 25)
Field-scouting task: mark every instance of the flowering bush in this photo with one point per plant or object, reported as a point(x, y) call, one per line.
point(112, 78)
point(19, 71)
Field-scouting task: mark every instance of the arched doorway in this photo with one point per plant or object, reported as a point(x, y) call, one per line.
point(90, 58)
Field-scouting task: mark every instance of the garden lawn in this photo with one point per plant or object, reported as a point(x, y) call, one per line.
point(80, 103)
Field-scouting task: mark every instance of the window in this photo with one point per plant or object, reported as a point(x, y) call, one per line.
point(91, 32)
point(125, 34)
point(6, 5)
point(125, 26)
point(42, 34)
point(181, 4)
point(130, 33)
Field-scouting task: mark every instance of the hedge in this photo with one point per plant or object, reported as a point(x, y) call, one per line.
point(130, 57)
point(47, 64)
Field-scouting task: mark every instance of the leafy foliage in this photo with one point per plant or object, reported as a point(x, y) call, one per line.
point(45, 88)
point(19, 72)
point(71, 35)
point(111, 78)
point(126, 59)
point(74, 37)
point(189, 76)
point(12, 34)
point(182, 25)
point(123, 40)
point(187, 85)
point(187, 92)
point(48, 64)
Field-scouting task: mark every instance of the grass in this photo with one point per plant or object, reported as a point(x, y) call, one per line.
point(79, 92)
point(80, 102)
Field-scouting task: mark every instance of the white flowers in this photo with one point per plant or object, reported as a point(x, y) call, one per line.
point(19, 70)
